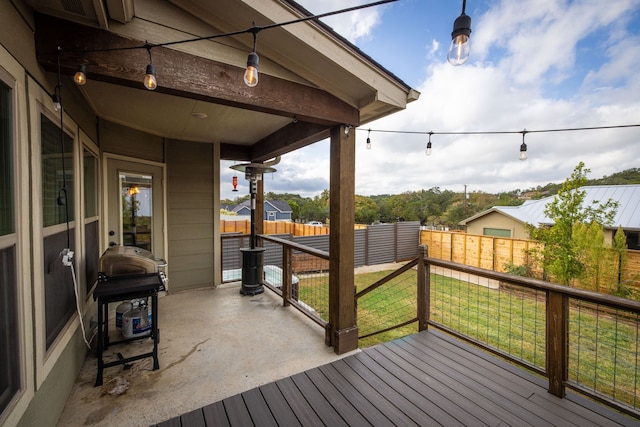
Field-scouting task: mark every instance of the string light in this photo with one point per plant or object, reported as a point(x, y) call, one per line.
point(80, 77)
point(251, 74)
point(57, 104)
point(150, 81)
point(523, 148)
point(369, 140)
point(460, 39)
point(460, 45)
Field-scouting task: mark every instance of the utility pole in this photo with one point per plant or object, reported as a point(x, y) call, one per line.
point(464, 201)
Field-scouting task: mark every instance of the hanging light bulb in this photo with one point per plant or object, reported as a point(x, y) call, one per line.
point(346, 130)
point(57, 103)
point(149, 80)
point(369, 140)
point(460, 45)
point(251, 74)
point(428, 150)
point(523, 148)
point(80, 77)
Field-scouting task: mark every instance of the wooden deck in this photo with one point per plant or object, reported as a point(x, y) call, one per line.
point(423, 379)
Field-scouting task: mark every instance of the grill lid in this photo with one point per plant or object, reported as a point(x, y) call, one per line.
point(127, 260)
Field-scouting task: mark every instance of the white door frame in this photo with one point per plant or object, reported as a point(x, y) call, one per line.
point(106, 158)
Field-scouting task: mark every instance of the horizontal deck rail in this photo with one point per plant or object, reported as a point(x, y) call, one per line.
point(301, 277)
point(579, 339)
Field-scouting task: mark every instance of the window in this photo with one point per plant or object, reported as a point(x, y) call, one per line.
point(90, 184)
point(58, 205)
point(6, 163)
point(496, 232)
point(57, 174)
point(92, 224)
point(9, 344)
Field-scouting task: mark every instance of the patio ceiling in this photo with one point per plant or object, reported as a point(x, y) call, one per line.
point(310, 78)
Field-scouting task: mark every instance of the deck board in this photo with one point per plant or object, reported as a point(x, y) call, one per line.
point(423, 379)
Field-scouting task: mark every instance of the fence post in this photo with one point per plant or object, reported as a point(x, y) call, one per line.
point(286, 275)
point(424, 288)
point(557, 341)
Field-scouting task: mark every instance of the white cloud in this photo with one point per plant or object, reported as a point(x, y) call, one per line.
point(536, 64)
point(354, 26)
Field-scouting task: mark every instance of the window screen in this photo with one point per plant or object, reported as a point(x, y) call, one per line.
point(57, 174)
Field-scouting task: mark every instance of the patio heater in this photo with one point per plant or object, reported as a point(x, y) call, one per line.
point(252, 257)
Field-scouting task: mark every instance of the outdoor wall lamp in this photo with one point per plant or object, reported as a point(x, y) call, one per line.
point(523, 147)
point(460, 46)
point(428, 150)
point(150, 81)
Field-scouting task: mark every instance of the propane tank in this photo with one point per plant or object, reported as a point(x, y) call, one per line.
point(136, 322)
point(121, 309)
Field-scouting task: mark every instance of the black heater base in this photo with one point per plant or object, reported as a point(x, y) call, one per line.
point(252, 263)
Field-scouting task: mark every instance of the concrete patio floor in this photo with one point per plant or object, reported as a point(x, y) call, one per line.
point(214, 343)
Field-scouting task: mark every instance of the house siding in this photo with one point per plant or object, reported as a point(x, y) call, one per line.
point(190, 214)
point(500, 221)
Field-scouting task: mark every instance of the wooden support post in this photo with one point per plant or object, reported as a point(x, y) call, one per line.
point(342, 332)
point(286, 275)
point(424, 289)
point(557, 341)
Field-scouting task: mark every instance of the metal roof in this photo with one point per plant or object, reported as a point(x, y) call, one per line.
point(532, 211)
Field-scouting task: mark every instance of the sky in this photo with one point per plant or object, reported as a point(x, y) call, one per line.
point(534, 65)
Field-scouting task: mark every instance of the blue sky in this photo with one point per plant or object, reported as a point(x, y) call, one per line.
point(534, 64)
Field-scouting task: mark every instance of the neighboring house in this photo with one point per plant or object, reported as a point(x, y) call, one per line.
point(509, 221)
point(274, 210)
point(67, 174)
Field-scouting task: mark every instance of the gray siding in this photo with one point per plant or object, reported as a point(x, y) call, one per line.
point(407, 240)
point(381, 244)
point(190, 214)
point(360, 248)
point(320, 242)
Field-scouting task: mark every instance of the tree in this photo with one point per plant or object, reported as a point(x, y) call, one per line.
point(560, 255)
point(366, 210)
point(295, 209)
point(620, 287)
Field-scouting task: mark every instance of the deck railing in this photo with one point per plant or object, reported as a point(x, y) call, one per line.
point(579, 339)
point(305, 287)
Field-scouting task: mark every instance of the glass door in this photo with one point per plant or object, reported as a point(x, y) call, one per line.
point(135, 205)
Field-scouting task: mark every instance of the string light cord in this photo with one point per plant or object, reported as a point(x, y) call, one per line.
point(254, 29)
point(413, 132)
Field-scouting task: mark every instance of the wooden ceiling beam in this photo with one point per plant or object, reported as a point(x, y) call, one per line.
point(291, 137)
point(180, 74)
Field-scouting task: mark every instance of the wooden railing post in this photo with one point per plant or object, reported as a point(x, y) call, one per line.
point(286, 275)
point(557, 341)
point(424, 289)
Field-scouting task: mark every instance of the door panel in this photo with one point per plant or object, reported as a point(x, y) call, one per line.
point(135, 205)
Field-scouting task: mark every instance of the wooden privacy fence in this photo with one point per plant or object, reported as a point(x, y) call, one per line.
point(495, 253)
point(273, 227)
